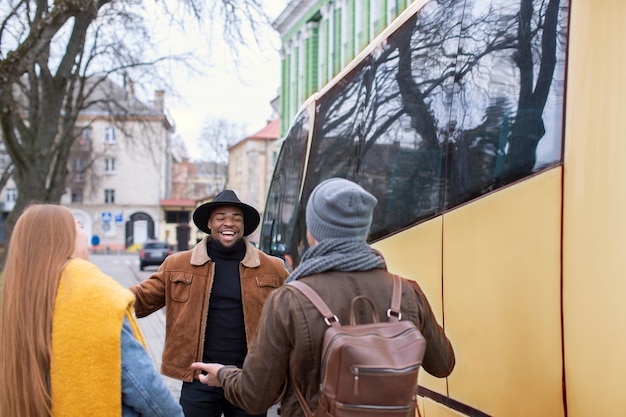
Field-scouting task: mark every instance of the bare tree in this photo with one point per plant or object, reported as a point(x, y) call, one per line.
point(55, 54)
point(451, 106)
point(217, 135)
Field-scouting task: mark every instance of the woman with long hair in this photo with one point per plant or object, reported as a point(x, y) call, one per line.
point(69, 341)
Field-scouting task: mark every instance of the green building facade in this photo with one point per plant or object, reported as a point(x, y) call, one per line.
point(319, 38)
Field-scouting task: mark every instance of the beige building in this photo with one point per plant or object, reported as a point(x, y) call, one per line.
point(119, 170)
point(250, 167)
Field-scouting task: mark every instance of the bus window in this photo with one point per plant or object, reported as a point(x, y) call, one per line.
point(507, 110)
point(283, 201)
point(444, 110)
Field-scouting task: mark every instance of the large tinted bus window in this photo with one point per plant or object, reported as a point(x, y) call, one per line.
point(280, 233)
point(409, 108)
point(463, 98)
point(392, 108)
point(508, 102)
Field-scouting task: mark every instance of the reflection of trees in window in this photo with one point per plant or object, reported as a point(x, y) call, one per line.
point(283, 209)
point(454, 104)
point(508, 94)
point(465, 97)
point(387, 121)
point(410, 102)
point(336, 128)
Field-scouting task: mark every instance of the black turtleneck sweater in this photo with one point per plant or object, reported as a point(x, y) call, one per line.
point(225, 337)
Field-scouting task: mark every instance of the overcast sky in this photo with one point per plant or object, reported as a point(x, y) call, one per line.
point(239, 93)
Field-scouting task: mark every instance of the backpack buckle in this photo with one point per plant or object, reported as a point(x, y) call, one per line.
point(394, 313)
point(330, 320)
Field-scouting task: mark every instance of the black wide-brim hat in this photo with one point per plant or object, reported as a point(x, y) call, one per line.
point(251, 217)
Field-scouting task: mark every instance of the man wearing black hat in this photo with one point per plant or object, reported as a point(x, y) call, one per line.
point(213, 294)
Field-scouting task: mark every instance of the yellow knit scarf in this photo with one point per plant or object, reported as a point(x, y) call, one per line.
point(85, 368)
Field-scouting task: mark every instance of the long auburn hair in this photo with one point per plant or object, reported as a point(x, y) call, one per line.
point(41, 243)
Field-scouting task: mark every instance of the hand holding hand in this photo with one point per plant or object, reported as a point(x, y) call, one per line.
point(211, 369)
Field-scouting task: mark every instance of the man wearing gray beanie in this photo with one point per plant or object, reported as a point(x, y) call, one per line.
point(338, 218)
point(339, 209)
point(339, 265)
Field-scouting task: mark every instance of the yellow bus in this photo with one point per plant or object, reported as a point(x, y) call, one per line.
point(493, 133)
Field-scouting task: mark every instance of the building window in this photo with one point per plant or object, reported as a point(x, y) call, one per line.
point(5, 160)
point(337, 30)
point(109, 135)
point(77, 195)
point(392, 10)
point(11, 195)
point(375, 17)
point(109, 196)
point(362, 18)
point(79, 170)
point(109, 165)
point(84, 141)
point(347, 32)
point(176, 217)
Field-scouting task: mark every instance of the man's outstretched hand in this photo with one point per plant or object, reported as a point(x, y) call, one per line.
point(211, 369)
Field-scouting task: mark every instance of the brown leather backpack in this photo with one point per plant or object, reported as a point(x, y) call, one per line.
point(367, 369)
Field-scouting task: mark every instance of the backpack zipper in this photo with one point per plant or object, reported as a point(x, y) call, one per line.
point(356, 370)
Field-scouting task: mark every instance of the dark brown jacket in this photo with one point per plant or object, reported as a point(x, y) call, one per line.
point(288, 343)
point(183, 286)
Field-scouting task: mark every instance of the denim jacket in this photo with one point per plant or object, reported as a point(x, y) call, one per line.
point(144, 392)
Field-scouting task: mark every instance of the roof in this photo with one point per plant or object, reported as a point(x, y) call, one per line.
point(270, 131)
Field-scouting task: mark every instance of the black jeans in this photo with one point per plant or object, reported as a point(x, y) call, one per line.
point(200, 400)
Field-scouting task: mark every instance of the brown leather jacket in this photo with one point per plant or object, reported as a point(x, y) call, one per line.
point(183, 285)
point(288, 343)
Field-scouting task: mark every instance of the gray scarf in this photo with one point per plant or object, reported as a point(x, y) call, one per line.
point(343, 255)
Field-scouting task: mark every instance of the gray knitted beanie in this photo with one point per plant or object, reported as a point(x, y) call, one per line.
point(338, 208)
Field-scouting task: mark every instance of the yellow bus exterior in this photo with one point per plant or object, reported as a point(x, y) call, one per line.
point(529, 280)
point(550, 340)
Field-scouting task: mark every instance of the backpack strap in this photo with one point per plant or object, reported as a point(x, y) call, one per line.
point(329, 317)
point(394, 313)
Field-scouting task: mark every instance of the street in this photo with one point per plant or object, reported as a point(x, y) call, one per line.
point(124, 267)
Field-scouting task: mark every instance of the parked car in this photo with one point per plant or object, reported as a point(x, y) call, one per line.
point(153, 252)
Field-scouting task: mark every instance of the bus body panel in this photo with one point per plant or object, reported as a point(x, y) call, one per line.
point(594, 246)
point(416, 254)
point(502, 279)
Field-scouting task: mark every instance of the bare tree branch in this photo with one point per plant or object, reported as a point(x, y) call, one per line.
point(56, 59)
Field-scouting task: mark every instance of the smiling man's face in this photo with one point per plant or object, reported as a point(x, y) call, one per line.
point(226, 224)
